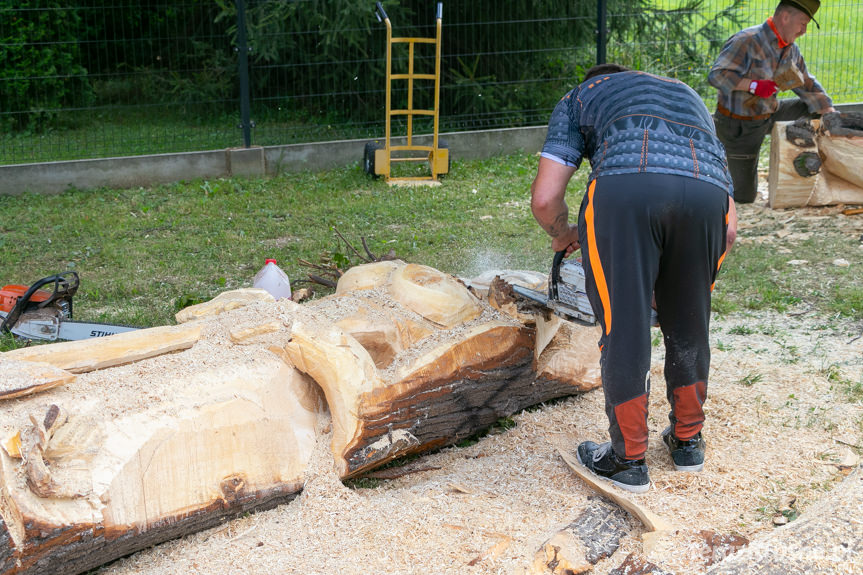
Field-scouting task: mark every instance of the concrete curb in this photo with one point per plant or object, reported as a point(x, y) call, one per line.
point(142, 171)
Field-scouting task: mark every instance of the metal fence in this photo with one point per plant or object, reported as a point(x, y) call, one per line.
point(89, 79)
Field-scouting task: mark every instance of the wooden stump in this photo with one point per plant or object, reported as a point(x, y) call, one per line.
point(785, 187)
point(838, 182)
point(170, 430)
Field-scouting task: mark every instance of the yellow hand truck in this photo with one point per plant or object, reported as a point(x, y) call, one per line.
point(377, 158)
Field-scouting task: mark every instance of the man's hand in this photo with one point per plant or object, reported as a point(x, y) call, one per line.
point(763, 88)
point(567, 242)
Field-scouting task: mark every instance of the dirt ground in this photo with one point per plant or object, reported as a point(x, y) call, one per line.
point(784, 425)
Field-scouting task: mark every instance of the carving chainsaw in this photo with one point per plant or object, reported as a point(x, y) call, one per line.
point(35, 313)
point(566, 295)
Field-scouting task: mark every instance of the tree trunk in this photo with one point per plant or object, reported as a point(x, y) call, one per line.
point(178, 428)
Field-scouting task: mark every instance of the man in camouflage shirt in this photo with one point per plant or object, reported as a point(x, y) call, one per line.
point(747, 107)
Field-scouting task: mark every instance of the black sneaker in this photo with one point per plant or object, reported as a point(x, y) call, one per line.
point(626, 474)
point(687, 455)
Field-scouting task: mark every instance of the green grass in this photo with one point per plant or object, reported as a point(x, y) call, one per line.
point(751, 379)
point(140, 253)
point(758, 276)
point(853, 390)
point(143, 254)
point(121, 131)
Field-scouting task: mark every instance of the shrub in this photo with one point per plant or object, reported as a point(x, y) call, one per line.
point(41, 71)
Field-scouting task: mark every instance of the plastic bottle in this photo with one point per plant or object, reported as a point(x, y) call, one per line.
point(274, 280)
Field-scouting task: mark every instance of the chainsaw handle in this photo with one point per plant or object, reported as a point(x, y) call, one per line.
point(65, 284)
point(555, 273)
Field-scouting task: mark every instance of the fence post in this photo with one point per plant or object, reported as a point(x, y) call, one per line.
point(243, 53)
point(601, 31)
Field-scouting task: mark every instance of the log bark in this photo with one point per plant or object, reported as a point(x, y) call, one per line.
point(7, 548)
point(653, 523)
point(175, 429)
point(579, 546)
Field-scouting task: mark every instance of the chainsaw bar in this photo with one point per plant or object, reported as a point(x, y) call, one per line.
point(566, 296)
point(559, 308)
point(48, 325)
point(34, 313)
point(74, 330)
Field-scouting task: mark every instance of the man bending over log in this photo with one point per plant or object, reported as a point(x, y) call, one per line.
point(657, 218)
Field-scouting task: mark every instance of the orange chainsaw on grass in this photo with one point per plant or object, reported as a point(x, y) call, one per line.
point(31, 312)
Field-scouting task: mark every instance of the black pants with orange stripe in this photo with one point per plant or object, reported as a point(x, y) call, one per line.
point(643, 235)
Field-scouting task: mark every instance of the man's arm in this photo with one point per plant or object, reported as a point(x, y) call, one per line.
point(729, 71)
point(735, 71)
point(812, 92)
point(728, 75)
point(548, 204)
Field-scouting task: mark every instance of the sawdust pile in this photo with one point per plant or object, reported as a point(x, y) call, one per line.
point(783, 426)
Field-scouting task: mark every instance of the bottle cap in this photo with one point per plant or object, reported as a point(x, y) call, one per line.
point(269, 261)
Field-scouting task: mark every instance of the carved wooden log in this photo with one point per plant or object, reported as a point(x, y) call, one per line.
point(831, 190)
point(100, 478)
point(100, 353)
point(786, 188)
point(842, 156)
point(794, 161)
point(178, 428)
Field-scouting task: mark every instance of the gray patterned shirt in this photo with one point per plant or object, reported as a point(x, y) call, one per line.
point(632, 122)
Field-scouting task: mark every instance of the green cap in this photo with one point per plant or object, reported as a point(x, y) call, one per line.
point(810, 7)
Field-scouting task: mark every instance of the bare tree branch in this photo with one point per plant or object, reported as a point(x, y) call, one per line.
point(329, 272)
point(323, 281)
point(351, 246)
point(314, 266)
point(368, 251)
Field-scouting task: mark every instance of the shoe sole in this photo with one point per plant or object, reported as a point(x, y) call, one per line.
point(694, 468)
point(625, 486)
point(688, 467)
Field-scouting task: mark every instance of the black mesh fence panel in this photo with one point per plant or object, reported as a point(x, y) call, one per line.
point(88, 79)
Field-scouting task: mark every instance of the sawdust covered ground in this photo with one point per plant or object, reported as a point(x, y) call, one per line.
point(780, 426)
